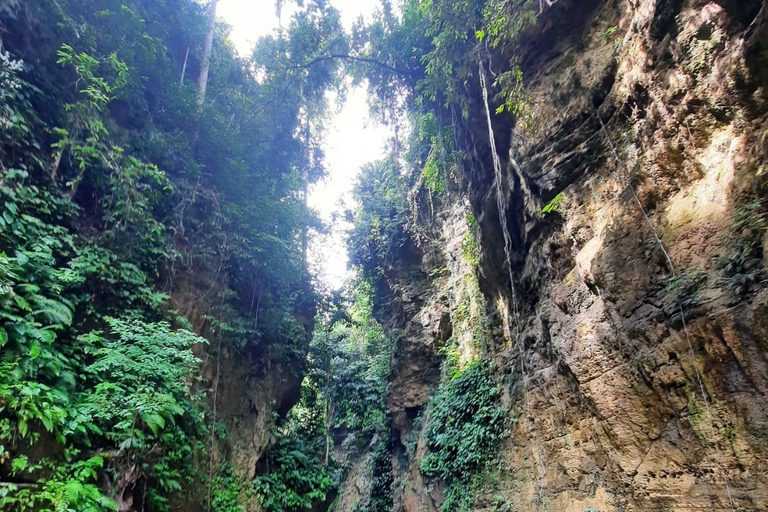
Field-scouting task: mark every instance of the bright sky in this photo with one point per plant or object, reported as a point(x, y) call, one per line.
point(353, 138)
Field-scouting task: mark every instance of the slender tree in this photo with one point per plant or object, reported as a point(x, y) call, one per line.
point(184, 66)
point(202, 83)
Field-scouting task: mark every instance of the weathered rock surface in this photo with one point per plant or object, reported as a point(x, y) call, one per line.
point(644, 372)
point(249, 387)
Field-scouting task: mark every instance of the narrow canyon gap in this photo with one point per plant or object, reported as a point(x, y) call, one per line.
point(557, 289)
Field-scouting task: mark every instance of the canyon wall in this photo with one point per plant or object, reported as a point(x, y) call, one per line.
point(630, 348)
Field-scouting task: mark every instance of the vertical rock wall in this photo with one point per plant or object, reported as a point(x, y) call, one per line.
point(643, 306)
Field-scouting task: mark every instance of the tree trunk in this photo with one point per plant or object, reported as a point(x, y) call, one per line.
point(327, 434)
point(305, 230)
point(202, 83)
point(184, 67)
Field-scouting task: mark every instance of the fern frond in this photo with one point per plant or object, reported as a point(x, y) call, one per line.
point(54, 311)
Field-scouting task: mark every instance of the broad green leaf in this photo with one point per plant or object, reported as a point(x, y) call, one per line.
point(19, 464)
point(47, 423)
point(97, 461)
point(35, 349)
point(108, 503)
point(21, 258)
point(22, 302)
point(44, 335)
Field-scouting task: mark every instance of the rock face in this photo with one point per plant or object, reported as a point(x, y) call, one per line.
point(249, 387)
point(636, 367)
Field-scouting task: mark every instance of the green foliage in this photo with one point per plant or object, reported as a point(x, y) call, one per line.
point(471, 315)
point(742, 260)
point(452, 356)
point(86, 138)
point(345, 389)
point(381, 494)
point(433, 177)
point(554, 205)
point(440, 43)
point(363, 365)
point(430, 56)
point(36, 376)
point(470, 248)
point(227, 490)
point(696, 418)
point(344, 392)
point(380, 222)
point(463, 433)
point(499, 505)
point(70, 488)
point(299, 471)
point(297, 477)
point(461, 34)
point(350, 367)
point(447, 65)
point(212, 196)
point(513, 97)
point(442, 154)
point(115, 187)
point(98, 90)
point(60, 382)
point(686, 287)
point(505, 19)
point(15, 107)
point(39, 363)
point(143, 374)
point(134, 395)
point(608, 33)
point(608, 36)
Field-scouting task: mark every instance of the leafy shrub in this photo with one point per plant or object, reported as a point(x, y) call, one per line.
point(70, 487)
point(142, 374)
point(433, 175)
point(742, 261)
point(463, 434)
point(470, 248)
point(380, 222)
point(554, 205)
point(297, 478)
point(227, 489)
point(381, 495)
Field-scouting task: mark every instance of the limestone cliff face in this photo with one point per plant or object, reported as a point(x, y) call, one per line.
point(248, 387)
point(636, 368)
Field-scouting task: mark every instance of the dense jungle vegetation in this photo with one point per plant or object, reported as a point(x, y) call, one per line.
point(144, 226)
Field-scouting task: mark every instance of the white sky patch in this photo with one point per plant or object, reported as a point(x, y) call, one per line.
point(352, 140)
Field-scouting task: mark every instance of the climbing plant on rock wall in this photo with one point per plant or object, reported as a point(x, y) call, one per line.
point(465, 429)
